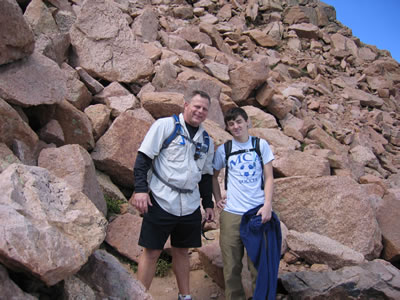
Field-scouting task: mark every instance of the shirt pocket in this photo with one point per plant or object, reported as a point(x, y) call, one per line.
point(176, 151)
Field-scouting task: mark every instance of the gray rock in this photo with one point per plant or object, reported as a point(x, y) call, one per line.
point(318, 249)
point(9, 290)
point(6, 157)
point(74, 288)
point(388, 219)
point(50, 228)
point(33, 81)
point(123, 235)
point(105, 45)
point(329, 206)
point(13, 127)
point(110, 279)
point(372, 280)
point(115, 152)
point(74, 164)
point(16, 37)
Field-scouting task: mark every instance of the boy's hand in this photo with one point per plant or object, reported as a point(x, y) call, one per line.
point(266, 213)
point(221, 203)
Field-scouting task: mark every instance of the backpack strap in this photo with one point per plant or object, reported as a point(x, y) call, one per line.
point(228, 149)
point(255, 141)
point(206, 140)
point(177, 129)
point(174, 188)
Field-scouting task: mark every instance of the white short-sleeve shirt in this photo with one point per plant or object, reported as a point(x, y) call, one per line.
point(244, 175)
point(176, 165)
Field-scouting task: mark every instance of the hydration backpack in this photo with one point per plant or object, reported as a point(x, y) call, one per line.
point(178, 130)
point(200, 147)
point(255, 141)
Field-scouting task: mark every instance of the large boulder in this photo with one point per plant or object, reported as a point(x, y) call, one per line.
point(163, 104)
point(74, 288)
point(332, 206)
point(275, 138)
point(123, 234)
point(146, 25)
point(78, 94)
point(75, 124)
point(211, 259)
point(13, 127)
point(377, 279)
point(246, 78)
point(49, 40)
point(105, 45)
point(74, 164)
point(296, 163)
point(6, 157)
point(9, 290)
point(99, 116)
point(49, 228)
point(16, 37)
point(110, 279)
point(318, 249)
point(33, 81)
point(388, 217)
point(115, 152)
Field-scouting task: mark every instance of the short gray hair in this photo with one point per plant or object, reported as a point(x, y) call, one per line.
point(201, 94)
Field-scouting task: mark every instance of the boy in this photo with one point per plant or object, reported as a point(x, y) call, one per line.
point(249, 186)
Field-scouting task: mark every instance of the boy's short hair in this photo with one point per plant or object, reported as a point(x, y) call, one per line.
point(233, 113)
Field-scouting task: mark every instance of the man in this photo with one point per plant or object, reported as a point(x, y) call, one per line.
point(170, 201)
point(249, 185)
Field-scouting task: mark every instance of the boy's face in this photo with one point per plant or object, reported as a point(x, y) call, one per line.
point(238, 127)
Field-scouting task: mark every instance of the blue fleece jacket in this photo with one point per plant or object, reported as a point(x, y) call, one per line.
point(263, 245)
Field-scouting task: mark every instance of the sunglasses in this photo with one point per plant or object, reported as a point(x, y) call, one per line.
point(200, 148)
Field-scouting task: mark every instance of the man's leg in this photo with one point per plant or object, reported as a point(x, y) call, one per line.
point(147, 266)
point(181, 267)
point(232, 251)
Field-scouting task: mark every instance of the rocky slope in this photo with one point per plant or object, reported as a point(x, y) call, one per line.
point(82, 81)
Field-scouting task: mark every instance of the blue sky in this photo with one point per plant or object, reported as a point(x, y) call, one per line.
point(374, 22)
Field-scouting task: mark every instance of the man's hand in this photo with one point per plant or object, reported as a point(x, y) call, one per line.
point(140, 201)
point(265, 212)
point(209, 214)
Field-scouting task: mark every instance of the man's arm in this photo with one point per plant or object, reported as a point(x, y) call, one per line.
point(205, 187)
point(141, 199)
point(266, 210)
point(142, 166)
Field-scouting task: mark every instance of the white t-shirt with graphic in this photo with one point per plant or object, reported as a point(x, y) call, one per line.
point(244, 178)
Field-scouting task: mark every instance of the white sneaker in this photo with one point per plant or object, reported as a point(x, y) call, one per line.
point(184, 297)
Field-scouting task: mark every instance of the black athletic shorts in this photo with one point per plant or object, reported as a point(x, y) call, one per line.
point(158, 225)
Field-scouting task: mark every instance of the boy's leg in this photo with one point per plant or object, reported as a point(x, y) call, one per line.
point(232, 250)
point(253, 273)
point(147, 266)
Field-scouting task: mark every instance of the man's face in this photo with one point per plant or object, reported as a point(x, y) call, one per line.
point(196, 111)
point(238, 127)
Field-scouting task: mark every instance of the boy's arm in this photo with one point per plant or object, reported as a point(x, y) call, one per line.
point(266, 210)
point(217, 190)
